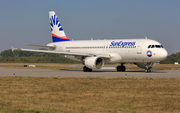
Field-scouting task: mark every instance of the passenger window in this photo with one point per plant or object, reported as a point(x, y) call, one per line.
point(149, 46)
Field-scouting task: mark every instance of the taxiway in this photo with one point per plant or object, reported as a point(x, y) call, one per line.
point(28, 72)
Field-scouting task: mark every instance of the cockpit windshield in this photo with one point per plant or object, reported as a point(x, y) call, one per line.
point(158, 46)
point(155, 46)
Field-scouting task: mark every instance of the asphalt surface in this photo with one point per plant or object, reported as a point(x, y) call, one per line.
point(28, 72)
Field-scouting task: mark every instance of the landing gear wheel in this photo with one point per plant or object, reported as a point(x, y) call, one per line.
point(86, 69)
point(89, 70)
point(118, 68)
point(147, 70)
point(121, 68)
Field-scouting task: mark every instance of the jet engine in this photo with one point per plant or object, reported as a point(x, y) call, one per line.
point(94, 62)
point(145, 65)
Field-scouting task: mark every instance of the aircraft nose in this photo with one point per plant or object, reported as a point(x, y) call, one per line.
point(163, 54)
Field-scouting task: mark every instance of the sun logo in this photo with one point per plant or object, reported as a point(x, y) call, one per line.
point(149, 53)
point(55, 24)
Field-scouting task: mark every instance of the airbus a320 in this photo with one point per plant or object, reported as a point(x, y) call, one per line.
point(95, 53)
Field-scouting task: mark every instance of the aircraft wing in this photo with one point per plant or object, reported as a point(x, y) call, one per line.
point(65, 53)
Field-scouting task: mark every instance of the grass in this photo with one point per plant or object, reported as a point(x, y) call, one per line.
point(89, 95)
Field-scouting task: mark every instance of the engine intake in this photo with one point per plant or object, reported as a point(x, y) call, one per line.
point(94, 62)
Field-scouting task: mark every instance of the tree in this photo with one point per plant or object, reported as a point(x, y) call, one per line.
point(7, 53)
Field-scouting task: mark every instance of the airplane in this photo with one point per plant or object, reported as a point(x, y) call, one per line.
point(95, 53)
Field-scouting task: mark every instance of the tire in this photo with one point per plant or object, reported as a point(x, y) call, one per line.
point(85, 69)
point(123, 68)
point(118, 68)
point(89, 70)
point(147, 70)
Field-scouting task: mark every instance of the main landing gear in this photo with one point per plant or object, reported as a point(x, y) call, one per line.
point(121, 68)
point(86, 69)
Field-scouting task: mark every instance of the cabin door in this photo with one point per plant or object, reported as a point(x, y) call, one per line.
point(105, 48)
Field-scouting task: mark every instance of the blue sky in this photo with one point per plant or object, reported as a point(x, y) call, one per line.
point(27, 21)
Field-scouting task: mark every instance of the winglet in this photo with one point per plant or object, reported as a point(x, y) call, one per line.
point(15, 48)
point(12, 48)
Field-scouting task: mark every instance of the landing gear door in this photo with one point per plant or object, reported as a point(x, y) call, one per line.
point(139, 48)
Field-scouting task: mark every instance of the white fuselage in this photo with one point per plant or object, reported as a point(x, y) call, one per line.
point(123, 50)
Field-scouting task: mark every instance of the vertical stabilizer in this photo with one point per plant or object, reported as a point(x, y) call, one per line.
point(57, 31)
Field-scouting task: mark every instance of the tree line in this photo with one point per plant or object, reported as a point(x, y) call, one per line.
point(171, 59)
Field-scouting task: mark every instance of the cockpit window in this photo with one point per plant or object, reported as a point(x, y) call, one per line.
point(155, 46)
point(149, 46)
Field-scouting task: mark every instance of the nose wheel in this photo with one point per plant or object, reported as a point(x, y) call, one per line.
point(147, 70)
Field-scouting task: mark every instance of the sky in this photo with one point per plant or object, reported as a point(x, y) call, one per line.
point(27, 21)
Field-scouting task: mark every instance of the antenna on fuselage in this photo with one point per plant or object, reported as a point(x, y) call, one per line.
point(91, 38)
point(145, 37)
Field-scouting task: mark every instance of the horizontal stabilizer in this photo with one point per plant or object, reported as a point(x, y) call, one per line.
point(40, 45)
point(49, 47)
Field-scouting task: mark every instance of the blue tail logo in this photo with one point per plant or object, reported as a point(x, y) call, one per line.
point(54, 21)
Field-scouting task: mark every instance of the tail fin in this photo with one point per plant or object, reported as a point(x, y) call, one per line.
point(57, 31)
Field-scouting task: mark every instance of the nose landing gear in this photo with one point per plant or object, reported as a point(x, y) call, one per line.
point(148, 70)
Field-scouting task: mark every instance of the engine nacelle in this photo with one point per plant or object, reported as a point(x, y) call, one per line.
point(145, 65)
point(94, 62)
